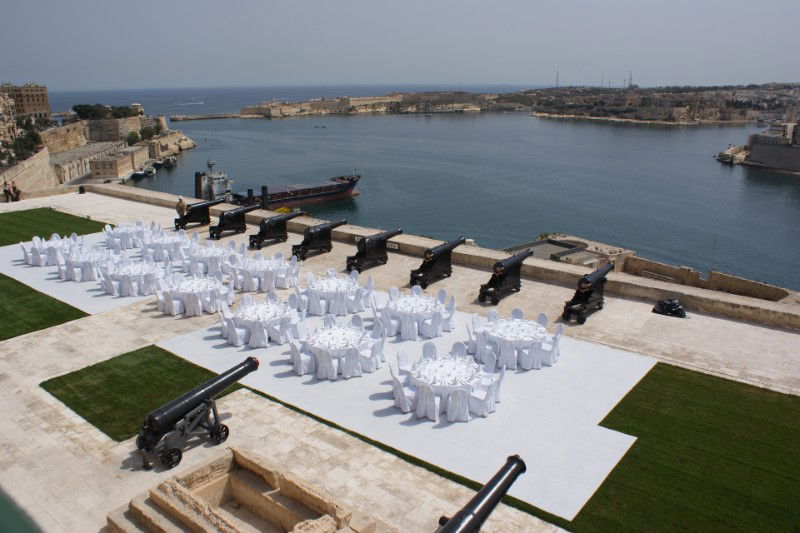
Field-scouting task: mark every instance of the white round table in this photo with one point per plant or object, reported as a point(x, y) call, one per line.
point(266, 313)
point(446, 374)
point(336, 340)
point(420, 307)
point(138, 269)
point(511, 334)
point(328, 287)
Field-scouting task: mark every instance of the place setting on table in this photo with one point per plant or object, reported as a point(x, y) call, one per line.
point(514, 342)
point(256, 323)
point(334, 294)
point(416, 314)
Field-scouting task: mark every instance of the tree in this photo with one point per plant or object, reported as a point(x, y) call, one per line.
point(147, 133)
point(157, 128)
point(132, 138)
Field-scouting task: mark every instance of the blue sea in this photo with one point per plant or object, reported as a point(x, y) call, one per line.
point(500, 178)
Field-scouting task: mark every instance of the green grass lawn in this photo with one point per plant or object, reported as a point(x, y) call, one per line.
point(22, 226)
point(115, 395)
point(24, 309)
point(711, 455)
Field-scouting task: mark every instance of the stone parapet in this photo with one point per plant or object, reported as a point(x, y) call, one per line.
point(773, 314)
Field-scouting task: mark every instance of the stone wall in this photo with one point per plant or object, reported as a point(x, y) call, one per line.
point(783, 156)
point(767, 313)
point(63, 138)
point(169, 143)
point(32, 174)
point(112, 129)
point(717, 281)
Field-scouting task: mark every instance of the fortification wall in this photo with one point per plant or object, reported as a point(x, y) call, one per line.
point(698, 299)
point(63, 138)
point(32, 174)
point(782, 156)
point(112, 129)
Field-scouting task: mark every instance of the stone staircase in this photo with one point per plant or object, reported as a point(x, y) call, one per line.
point(238, 492)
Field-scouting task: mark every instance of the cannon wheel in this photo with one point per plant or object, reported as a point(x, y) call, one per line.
point(495, 300)
point(581, 318)
point(423, 285)
point(328, 249)
point(211, 234)
point(139, 444)
point(481, 298)
point(219, 433)
point(565, 316)
point(171, 457)
point(241, 230)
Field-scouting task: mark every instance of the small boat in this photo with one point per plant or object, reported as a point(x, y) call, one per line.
point(138, 174)
point(171, 161)
point(158, 163)
point(149, 172)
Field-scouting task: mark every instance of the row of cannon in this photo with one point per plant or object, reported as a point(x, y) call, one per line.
point(372, 251)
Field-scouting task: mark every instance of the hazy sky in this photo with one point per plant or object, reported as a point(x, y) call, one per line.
point(92, 44)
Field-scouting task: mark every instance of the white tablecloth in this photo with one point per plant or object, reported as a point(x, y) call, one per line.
point(125, 235)
point(266, 313)
point(327, 287)
point(511, 335)
point(82, 256)
point(446, 374)
point(137, 269)
point(420, 307)
point(336, 340)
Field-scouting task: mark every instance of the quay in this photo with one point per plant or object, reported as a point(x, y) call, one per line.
point(68, 476)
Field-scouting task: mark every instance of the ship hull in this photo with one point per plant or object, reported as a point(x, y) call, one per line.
point(314, 199)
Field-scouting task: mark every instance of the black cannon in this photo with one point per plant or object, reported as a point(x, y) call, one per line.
point(371, 251)
point(272, 228)
point(589, 295)
point(471, 517)
point(232, 220)
point(437, 263)
point(196, 213)
point(166, 429)
point(316, 239)
point(505, 278)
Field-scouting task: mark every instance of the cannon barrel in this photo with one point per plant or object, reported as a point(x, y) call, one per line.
point(593, 277)
point(240, 210)
point(163, 419)
point(280, 218)
point(445, 247)
point(382, 236)
point(207, 203)
point(471, 517)
point(325, 226)
point(513, 260)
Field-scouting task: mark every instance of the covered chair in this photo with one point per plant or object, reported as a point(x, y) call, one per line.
point(394, 293)
point(268, 281)
point(405, 397)
point(517, 314)
point(542, 320)
point(302, 363)
point(481, 401)
point(391, 326)
point(459, 349)
point(258, 336)
point(403, 362)
point(416, 290)
point(441, 296)
point(316, 305)
point(355, 303)
point(351, 363)
point(357, 322)
point(250, 283)
point(428, 404)
point(492, 316)
point(429, 350)
point(327, 366)
point(338, 304)
point(550, 347)
point(408, 328)
point(237, 336)
point(328, 321)
point(449, 316)
point(458, 406)
point(371, 359)
point(194, 304)
point(172, 305)
point(432, 327)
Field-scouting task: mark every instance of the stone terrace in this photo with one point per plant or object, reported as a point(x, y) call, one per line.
point(68, 476)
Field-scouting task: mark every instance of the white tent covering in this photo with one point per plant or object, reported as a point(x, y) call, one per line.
point(549, 417)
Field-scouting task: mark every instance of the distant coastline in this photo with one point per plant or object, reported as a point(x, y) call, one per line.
point(540, 114)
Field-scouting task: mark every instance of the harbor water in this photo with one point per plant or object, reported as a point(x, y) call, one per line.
point(503, 178)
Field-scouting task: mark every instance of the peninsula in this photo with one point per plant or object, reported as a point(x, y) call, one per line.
point(676, 105)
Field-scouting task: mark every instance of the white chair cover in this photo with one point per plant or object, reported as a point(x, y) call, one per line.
point(302, 363)
point(258, 336)
point(458, 406)
point(429, 350)
point(405, 398)
point(327, 366)
point(441, 296)
point(481, 401)
point(428, 404)
point(517, 314)
point(542, 320)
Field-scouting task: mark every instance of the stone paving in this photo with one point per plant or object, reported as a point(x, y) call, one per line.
point(68, 476)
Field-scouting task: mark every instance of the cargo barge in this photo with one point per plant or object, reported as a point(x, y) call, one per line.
point(216, 185)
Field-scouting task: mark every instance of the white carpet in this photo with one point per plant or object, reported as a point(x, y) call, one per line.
point(549, 417)
point(86, 296)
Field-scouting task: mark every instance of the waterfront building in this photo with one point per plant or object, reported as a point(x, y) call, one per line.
point(30, 99)
point(120, 163)
point(73, 164)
